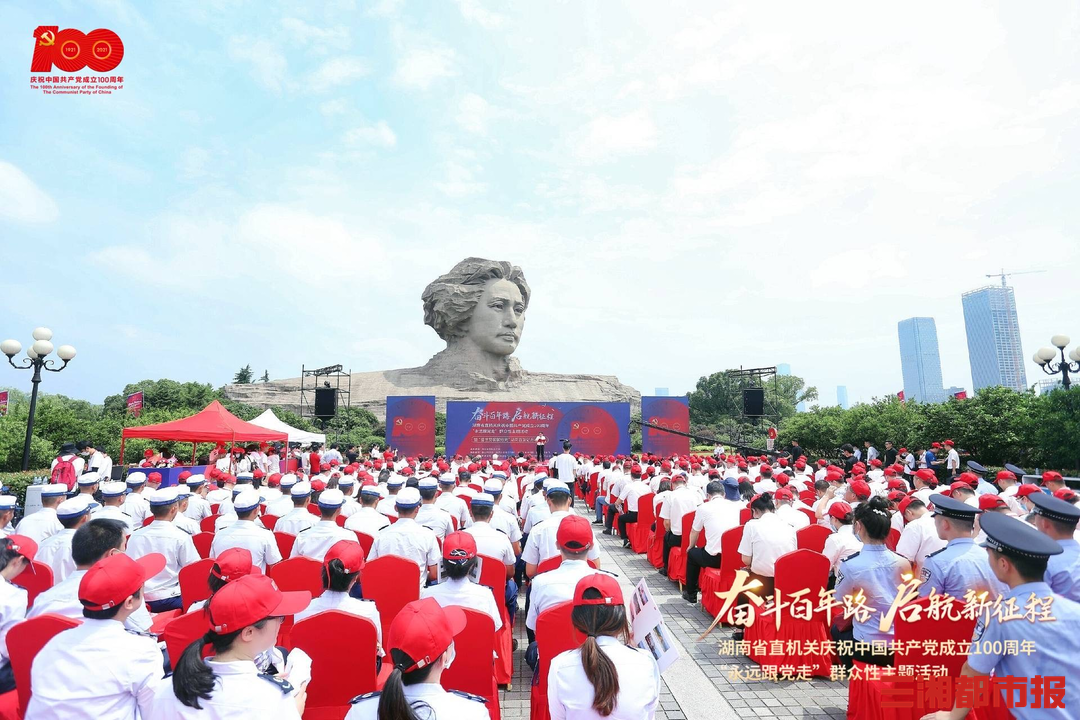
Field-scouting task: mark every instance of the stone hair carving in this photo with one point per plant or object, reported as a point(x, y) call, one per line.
point(450, 299)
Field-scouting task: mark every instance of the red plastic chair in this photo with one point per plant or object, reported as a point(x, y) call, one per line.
point(638, 532)
point(472, 671)
point(207, 523)
point(25, 641)
point(553, 562)
point(366, 541)
point(193, 582)
point(745, 515)
point(340, 520)
point(809, 514)
point(214, 508)
point(269, 521)
point(203, 541)
point(392, 582)
point(339, 671)
point(284, 542)
point(656, 540)
point(555, 634)
point(493, 575)
point(298, 573)
point(677, 558)
point(713, 580)
point(808, 496)
point(35, 582)
point(795, 571)
point(892, 539)
point(183, 631)
point(812, 537)
point(313, 508)
point(147, 521)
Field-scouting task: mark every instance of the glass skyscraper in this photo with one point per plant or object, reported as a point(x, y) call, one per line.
point(841, 397)
point(993, 338)
point(920, 361)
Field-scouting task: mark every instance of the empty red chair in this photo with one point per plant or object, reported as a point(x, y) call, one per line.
point(392, 582)
point(207, 523)
point(25, 640)
point(892, 539)
point(193, 582)
point(183, 631)
point(812, 537)
point(35, 581)
point(339, 671)
point(493, 575)
point(714, 580)
point(472, 671)
point(555, 633)
point(366, 541)
point(284, 543)
point(638, 532)
point(809, 514)
point(298, 573)
point(808, 497)
point(677, 558)
point(203, 541)
point(269, 521)
point(656, 540)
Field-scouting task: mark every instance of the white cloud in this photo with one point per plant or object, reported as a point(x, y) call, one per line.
point(610, 136)
point(422, 62)
point(267, 64)
point(321, 40)
point(338, 71)
point(378, 134)
point(474, 114)
point(193, 163)
point(475, 11)
point(22, 200)
point(339, 106)
point(460, 181)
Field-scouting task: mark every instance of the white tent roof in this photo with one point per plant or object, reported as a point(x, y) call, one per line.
point(272, 422)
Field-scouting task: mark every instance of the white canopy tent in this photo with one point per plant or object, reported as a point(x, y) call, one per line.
point(271, 421)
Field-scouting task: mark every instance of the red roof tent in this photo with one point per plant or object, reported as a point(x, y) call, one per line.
point(212, 424)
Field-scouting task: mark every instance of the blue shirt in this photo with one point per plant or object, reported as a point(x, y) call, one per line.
point(1063, 571)
point(958, 567)
point(986, 487)
point(930, 457)
point(875, 570)
point(1055, 650)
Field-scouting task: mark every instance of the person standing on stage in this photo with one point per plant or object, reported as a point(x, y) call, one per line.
point(541, 441)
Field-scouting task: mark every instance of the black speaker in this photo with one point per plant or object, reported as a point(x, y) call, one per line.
point(325, 402)
point(753, 402)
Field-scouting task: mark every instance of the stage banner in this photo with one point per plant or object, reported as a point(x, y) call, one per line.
point(135, 403)
point(3, 402)
point(410, 424)
point(667, 412)
point(507, 428)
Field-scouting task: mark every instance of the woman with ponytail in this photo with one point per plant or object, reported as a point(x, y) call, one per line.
point(340, 571)
point(244, 618)
point(843, 543)
point(421, 642)
point(604, 678)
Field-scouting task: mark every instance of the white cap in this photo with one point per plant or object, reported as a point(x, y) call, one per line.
point(74, 507)
point(182, 491)
point(493, 486)
point(288, 480)
point(428, 483)
point(197, 479)
point(395, 480)
point(54, 490)
point(89, 478)
point(244, 477)
point(246, 500)
point(371, 490)
point(408, 497)
point(556, 486)
point(483, 499)
point(136, 478)
point(301, 489)
point(113, 489)
point(163, 496)
point(8, 502)
point(331, 498)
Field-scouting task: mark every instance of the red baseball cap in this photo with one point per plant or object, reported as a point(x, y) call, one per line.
point(1051, 475)
point(114, 579)
point(1027, 489)
point(156, 477)
point(1066, 494)
point(896, 495)
point(423, 630)
point(461, 546)
point(183, 476)
point(606, 585)
point(574, 534)
point(903, 504)
point(783, 494)
point(989, 501)
point(1005, 475)
point(895, 484)
point(839, 510)
point(782, 479)
point(350, 553)
point(234, 563)
point(860, 488)
point(250, 599)
point(23, 545)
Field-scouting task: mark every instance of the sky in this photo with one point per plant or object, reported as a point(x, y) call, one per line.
point(688, 187)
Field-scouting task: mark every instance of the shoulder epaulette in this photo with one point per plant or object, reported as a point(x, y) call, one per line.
point(469, 696)
point(937, 552)
point(283, 685)
point(849, 557)
point(365, 696)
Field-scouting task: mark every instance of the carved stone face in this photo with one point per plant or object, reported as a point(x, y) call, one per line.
point(498, 318)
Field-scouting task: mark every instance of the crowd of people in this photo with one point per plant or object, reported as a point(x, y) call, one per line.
point(116, 549)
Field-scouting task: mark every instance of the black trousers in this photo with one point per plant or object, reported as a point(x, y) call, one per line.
point(612, 512)
point(540, 453)
point(671, 540)
point(696, 559)
point(626, 517)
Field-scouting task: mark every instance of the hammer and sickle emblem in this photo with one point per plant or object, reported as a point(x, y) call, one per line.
point(48, 38)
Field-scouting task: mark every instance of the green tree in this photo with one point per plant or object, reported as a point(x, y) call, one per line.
point(720, 396)
point(244, 375)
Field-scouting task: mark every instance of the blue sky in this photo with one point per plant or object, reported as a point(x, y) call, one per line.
point(687, 187)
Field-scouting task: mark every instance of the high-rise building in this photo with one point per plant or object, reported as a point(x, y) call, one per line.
point(953, 391)
point(993, 338)
point(783, 369)
point(661, 392)
point(919, 360)
point(841, 396)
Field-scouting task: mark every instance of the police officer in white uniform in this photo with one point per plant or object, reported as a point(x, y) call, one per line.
point(244, 533)
point(450, 502)
point(430, 515)
point(40, 525)
point(299, 518)
point(367, 519)
point(7, 512)
point(162, 536)
point(112, 494)
point(135, 504)
point(421, 646)
point(319, 538)
point(456, 588)
point(198, 508)
point(55, 550)
point(407, 538)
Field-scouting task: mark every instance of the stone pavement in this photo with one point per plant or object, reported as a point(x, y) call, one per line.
point(697, 685)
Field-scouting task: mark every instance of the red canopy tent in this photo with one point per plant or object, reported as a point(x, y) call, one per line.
point(212, 424)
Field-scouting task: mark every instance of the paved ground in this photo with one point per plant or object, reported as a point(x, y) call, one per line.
point(697, 685)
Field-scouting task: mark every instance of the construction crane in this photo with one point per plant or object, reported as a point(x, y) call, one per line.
point(1004, 274)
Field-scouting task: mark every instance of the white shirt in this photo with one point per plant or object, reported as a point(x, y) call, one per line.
point(260, 542)
point(555, 586)
point(765, 540)
point(566, 464)
point(315, 542)
point(138, 507)
point(492, 543)
point(55, 551)
point(919, 538)
point(40, 525)
point(542, 544)
point(280, 507)
point(163, 537)
point(538, 513)
point(113, 512)
point(436, 520)
point(95, 671)
point(677, 504)
point(570, 694)
point(467, 594)
point(408, 539)
point(502, 520)
point(240, 693)
point(952, 460)
point(717, 517)
point(367, 520)
point(388, 506)
point(63, 599)
point(444, 705)
point(792, 516)
point(12, 611)
point(198, 508)
point(632, 492)
point(186, 524)
point(344, 602)
point(295, 521)
point(454, 505)
point(841, 545)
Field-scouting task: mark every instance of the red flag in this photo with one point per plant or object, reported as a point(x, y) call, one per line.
point(900, 396)
point(962, 395)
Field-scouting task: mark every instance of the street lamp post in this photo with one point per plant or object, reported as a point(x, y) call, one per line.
point(36, 359)
point(1045, 358)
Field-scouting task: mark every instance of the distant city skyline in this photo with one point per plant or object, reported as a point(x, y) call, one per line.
point(920, 360)
point(842, 397)
point(993, 338)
